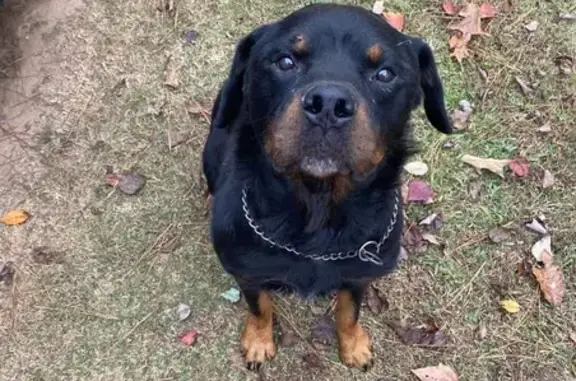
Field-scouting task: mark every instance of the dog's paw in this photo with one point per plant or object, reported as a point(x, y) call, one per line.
point(355, 348)
point(257, 346)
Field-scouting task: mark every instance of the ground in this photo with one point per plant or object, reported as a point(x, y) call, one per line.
point(82, 93)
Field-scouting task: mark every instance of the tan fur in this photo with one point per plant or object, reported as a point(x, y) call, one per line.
point(354, 342)
point(375, 53)
point(367, 147)
point(257, 341)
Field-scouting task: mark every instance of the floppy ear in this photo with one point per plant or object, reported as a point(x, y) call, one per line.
point(432, 88)
point(229, 100)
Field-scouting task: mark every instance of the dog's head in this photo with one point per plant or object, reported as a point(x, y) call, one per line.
point(329, 90)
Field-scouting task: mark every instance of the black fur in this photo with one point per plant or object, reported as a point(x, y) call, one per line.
point(234, 158)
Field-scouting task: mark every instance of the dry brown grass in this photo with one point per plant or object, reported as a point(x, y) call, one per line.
point(107, 312)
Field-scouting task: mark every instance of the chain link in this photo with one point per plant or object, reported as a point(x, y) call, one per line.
point(368, 252)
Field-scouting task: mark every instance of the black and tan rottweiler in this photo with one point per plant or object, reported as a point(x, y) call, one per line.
point(308, 139)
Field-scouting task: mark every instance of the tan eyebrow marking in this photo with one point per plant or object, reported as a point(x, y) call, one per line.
point(300, 45)
point(375, 53)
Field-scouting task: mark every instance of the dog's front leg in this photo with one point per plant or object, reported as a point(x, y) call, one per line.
point(257, 341)
point(354, 343)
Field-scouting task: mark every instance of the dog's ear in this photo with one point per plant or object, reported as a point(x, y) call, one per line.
point(229, 100)
point(431, 87)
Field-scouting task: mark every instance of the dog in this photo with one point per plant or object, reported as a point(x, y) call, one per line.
point(303, 160)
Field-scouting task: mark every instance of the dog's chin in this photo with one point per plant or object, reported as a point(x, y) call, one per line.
point(320, 168)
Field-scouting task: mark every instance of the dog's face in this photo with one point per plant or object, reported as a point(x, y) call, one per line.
point(329, 90)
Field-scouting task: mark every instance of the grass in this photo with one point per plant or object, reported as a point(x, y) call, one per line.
point(108, 310)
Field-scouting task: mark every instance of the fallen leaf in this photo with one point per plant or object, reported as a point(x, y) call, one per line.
point(427, 334)
point(232, 295)
point(573, 336)
point(312, 360)
point(532, 26)
point(551, 280)
point(474, 189)
point(458, 43)
point(524, 267)
point(470, 24)
point(431, 238)
point(449, 8)
point(510, 306)
point(286, 337)
point(545, 128)
point(520, 167)
point(460, 118)
point(188, 338)
point(499, 235)
point(378, 7)
point(493, 165)
point(536, 225)
point(183, 311)
point(436, 373)
point(567, 16)
point(526, 90)
point(15, 217)
point(323, 332)
point(172, 73)
point(45, 256)
point(548, 180)
point(420, 191)
point(128, 182)
point(412, 239)
point(487, 11)
point(434, 221)
point(7, 273)
point(395, 19)
point(542, 245)
point(416, 168)
point(377, 303)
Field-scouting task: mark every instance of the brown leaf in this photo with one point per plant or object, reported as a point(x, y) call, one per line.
point(550, 278)
point(436, 373)
point(7, 273)
point(45, 256)
point(520, 167)
point(428, 335)
point(524, 268)
point(377, 303)
point(15, 217)
point(188, 338)
point(449, 8)
point(323, 332)
point(431, 238)
point(470, 25)
point(128, 182)
point(395, 19)
point(412, 239)
point(487, 11)
point(419, 191)
point(548, 180)
point(493, 165)
point(172, 73)
point(459, 46)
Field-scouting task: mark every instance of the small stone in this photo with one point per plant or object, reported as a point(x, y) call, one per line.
point(532, 26)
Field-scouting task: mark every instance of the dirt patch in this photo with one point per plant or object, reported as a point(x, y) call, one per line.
point(29, 31)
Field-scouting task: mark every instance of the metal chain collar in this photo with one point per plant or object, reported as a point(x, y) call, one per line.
point(368, 252)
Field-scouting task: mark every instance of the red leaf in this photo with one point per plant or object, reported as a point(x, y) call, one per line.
point(419, 191)
point(188, 338)
point(449, 8)
point(396, 20)
point(520, 167)
point(487, 10)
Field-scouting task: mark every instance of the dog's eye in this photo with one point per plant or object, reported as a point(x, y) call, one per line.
point(385, 75)
point(285, 63)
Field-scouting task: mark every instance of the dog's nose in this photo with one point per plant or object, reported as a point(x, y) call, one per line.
point(329, 104)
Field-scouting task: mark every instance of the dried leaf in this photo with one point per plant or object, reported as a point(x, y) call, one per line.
point(542, 245)
point(520, 167)
point(548, 180)
point(188, 338)
point(470, 25)
point(232, 295)
point(551, 280)
point(510, 306)
point(436, 373)
point(45, 256)
point(545, 128)
point(323, 332)
point(378, 7)
point(487, 11)
point(431, 238)
point(460, 118)
point(459, 46)
point(532, 26)
point(15, 217)
point(172, 73)
point(434, 220)
point(449, 8)
point(412, 239)
point(524, 267)
point(7, 273)
point(537, 225)
point(416, 168)
point(493, 165)
point(428, 334)
point(377, 303)
point(395, 19)
point(183, 311)
point(499, 235)
point(128, 182)
point(419, 191)
point(526, 90)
